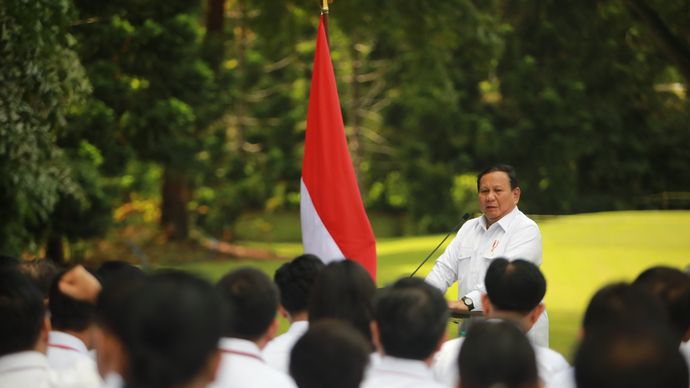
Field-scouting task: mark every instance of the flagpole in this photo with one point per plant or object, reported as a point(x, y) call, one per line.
point(324, 13)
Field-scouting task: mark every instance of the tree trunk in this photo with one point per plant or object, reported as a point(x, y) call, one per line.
point(176, 194)
point(55, 249)
point(213, 44)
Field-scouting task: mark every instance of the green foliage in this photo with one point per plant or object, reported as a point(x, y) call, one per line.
point(41, 80)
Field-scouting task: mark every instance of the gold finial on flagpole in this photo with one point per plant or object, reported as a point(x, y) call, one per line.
point(324, 6)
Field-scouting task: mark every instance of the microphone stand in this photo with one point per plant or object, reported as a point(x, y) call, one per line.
point(465, 217)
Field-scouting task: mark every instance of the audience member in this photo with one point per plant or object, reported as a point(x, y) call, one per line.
point(253, 300)
point(344, 290)
point(634, 355)
point(330, 354)
point(112, 270)
point(42, 272)
point(174, 325)
point(113, 311)
point(24, 329)
point(612, 307)
point(497, 353)
point(294, 280)
point(514, 291)
point(410, 324)
point(672, 286)
point(72, 324)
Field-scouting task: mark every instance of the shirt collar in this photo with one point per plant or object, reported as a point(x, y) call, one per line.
point(241, 346)
point(504, 222)
point(413, 368)
point(23, 360)
point(62, 339)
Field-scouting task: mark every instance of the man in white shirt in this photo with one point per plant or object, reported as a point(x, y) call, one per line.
point(252, 299)
point(502, 231)
point(24, 330)
point(294, 280)
point(410, 324)
point(514, 291)
point(72, 322)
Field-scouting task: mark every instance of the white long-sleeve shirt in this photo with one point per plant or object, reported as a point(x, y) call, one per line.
point(468, 256)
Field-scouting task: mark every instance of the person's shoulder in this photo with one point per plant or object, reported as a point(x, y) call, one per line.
point(551, 355)
point(275, 378)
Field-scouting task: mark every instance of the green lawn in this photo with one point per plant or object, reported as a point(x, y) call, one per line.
point(581, 254)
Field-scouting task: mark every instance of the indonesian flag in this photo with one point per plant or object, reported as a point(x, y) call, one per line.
point(334, 223)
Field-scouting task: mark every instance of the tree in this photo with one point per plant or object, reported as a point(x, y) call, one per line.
point(42, 80)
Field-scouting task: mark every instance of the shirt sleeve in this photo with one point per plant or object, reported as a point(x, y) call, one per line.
point(444, 273)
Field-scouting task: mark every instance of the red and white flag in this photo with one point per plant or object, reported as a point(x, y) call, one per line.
point(334, 223)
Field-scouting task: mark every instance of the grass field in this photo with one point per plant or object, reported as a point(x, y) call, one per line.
point(581, 254)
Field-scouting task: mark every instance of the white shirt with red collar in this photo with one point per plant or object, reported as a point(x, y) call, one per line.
point(65, 350)
point(393, 372)
point(30, 369)
point(242, 366)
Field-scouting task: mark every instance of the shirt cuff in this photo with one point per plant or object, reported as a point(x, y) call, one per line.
point(476, 297)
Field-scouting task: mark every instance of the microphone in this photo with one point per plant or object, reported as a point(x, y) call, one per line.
point(465, 217)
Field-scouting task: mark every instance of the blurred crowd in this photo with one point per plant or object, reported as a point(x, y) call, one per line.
point(117, 326)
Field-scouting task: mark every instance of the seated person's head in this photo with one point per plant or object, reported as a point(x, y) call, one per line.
point(113, 270)
point(411, 318)
point(23, 323)
point(42, 272)
point(330, 354)
point(632, 355)
point(252, 298)
point(514, 289)
point(112, 318)
point(295, 281)
point(175, 323)
point(344, 290)
point(68, 314)
point(497, 354)
point(672, 286)
point(618, 304)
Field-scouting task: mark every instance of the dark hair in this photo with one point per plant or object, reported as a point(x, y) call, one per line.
point(633, 355)
point(502, 168)
point(497, 353)
point(113, 270)
point(8, 262)
point(253, 300)
point(42, 272)
point(21, 312)
point(67, 313)
point(295, 280)
point(330, 354)
point(174, 326)
point(672, 286)
point(412, 317)
point(344, 290)
point(619, 304)
point(516, 285)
